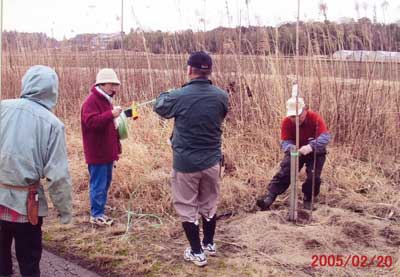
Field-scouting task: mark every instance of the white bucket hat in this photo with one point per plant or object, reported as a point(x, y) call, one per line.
point(107, 75)
point(291, 106)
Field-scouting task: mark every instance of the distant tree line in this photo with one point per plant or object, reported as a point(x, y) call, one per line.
point(315, 38)
point(13, 40)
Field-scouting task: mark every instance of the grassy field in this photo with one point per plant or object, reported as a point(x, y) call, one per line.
point(359, 211)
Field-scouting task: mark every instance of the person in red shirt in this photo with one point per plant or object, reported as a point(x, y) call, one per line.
point(313, 137)
point(101, 143)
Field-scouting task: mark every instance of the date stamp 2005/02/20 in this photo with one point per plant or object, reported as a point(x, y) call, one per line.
point(352, 260)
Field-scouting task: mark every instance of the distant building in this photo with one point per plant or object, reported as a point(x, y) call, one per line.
point(102, 41)
point(345, 20)
point(367, 56)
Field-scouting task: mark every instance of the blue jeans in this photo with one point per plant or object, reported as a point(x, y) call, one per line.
point(100, 180)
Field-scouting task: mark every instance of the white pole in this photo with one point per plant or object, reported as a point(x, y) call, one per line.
point(297, 77)
point(294, 154)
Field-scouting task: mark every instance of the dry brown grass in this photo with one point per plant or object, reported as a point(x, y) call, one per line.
point(358, 215)
point(359, 211)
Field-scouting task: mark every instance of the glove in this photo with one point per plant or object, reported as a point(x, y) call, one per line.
point(116, 123)
point(116, 111)
point(305, 150)
point(288, 148)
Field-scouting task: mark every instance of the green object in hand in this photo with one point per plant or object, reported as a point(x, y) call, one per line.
point(122, 126)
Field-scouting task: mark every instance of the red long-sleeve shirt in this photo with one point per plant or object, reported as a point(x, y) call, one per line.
point(307, 130)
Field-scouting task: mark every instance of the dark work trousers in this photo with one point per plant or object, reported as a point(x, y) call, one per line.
point(28, 247)
point(281, 181)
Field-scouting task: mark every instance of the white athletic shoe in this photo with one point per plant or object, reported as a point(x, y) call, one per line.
point(101, 220)
point(197, 259)
point(210, 249)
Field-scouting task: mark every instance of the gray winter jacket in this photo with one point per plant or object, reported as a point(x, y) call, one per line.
point(32, 145)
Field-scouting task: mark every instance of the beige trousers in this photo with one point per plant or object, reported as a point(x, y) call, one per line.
point(196, 193)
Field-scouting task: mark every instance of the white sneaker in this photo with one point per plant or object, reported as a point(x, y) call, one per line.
point(101, 220)
point(197, 259)
point(110, 208)
point(210, 249)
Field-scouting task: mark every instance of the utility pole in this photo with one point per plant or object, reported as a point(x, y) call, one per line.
point(1, 46)
point(122, 25)
point(1, 52)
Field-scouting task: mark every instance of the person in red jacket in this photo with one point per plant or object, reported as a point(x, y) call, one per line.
point(313, 137)
point(101, 143)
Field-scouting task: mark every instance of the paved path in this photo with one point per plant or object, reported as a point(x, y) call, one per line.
point(54, 266)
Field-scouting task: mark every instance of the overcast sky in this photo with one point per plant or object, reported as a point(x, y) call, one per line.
point(70, 17)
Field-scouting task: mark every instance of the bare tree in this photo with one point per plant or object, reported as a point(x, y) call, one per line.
point(357, 8)
point(323, 9)
point(229, 17)
point(248, 11)
point(365, 8)
point(374, 15)
point(384, 6)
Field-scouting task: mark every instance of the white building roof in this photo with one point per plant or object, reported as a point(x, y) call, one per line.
point(363, 55)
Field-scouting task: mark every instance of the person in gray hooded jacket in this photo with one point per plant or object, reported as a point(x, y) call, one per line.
point(32, 147)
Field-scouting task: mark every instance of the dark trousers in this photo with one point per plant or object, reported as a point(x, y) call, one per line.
point(28, 247)
point(281, 181)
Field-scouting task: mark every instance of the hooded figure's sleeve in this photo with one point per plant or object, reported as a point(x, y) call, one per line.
point(57, 174)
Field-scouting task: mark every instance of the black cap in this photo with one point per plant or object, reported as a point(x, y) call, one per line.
point(200, 60)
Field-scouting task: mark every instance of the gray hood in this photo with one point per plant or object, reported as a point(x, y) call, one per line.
point(40, 84)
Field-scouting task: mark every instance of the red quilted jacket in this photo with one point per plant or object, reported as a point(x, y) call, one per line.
point(100, 138)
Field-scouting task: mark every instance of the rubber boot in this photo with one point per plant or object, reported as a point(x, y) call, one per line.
point(209, 230)
point(265, 203)
point(192, 232)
